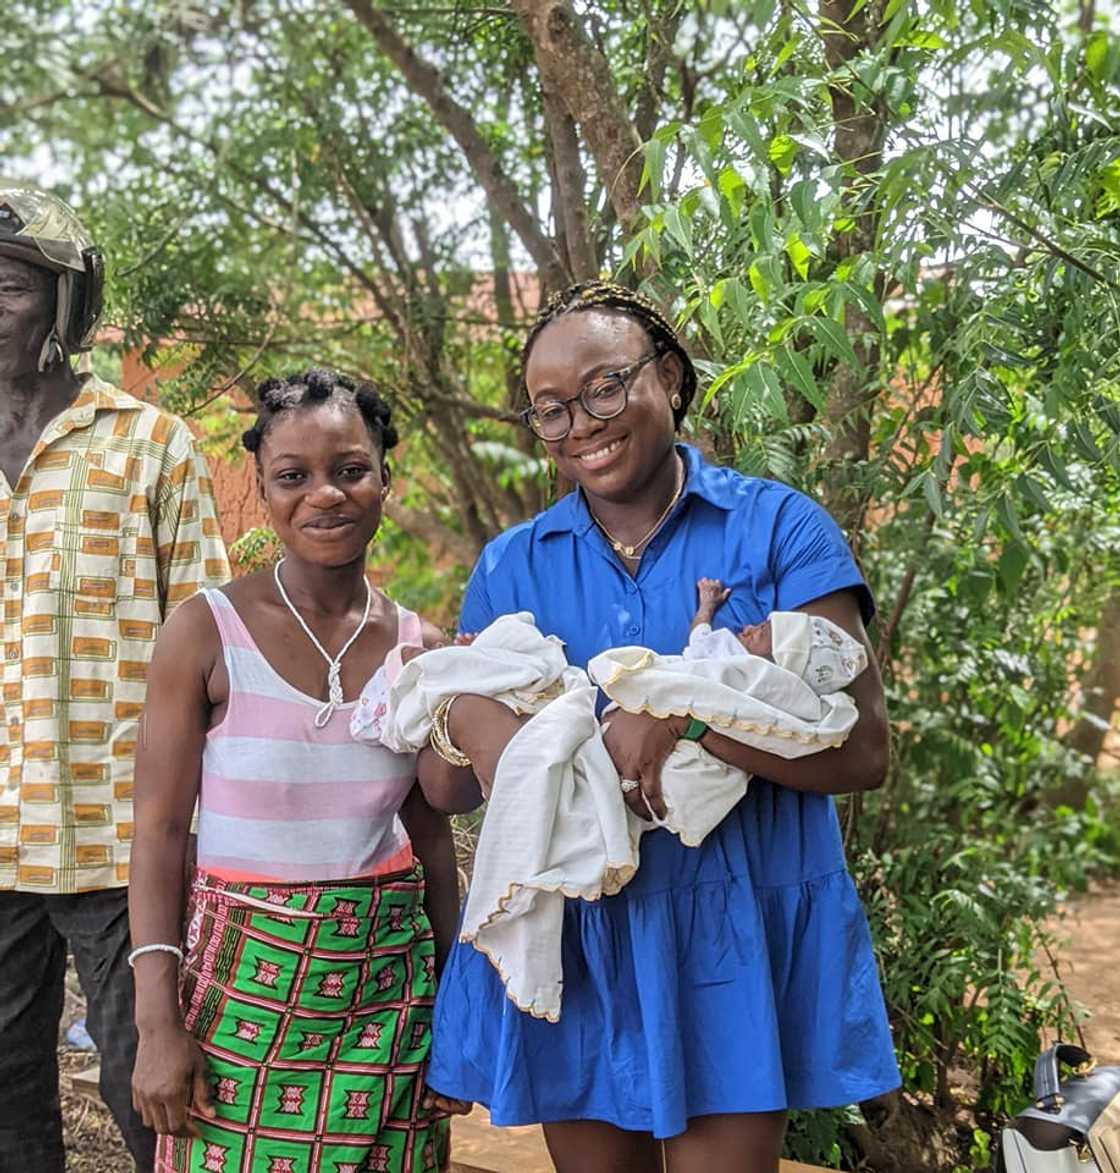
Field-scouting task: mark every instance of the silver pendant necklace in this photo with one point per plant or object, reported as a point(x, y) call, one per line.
point(334, 666)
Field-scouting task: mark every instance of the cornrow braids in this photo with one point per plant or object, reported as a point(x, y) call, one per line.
point(606, 295)
point(312, 387)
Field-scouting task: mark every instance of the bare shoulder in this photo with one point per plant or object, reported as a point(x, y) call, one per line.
point(249, 589)
point(189, 640)
point(192, 618)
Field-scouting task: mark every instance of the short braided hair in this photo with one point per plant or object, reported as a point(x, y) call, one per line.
point(309, 389)
point(606, 295)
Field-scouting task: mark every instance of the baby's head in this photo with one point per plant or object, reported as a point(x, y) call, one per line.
point(409, 652)
point(758, 639)
point(823, 654)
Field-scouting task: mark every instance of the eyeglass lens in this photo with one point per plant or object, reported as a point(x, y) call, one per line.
point(603, 399)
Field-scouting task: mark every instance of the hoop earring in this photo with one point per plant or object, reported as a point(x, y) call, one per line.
point(675, 401)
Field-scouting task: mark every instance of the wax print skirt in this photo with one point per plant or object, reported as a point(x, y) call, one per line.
point(737, 976)
point(312, 1004)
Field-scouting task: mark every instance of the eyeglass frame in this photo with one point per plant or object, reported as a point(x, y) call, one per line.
point(624, 375)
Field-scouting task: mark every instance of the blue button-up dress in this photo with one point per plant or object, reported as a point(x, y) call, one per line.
point(737, 976)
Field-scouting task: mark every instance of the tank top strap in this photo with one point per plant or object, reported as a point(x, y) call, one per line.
point(410, 630)
point(226, 619)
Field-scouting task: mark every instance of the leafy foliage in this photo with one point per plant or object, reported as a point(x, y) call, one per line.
point(891, 230)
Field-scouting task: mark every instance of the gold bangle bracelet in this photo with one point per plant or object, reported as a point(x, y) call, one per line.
point(441, 738)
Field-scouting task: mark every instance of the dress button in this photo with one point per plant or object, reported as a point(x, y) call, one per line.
point(633, 629)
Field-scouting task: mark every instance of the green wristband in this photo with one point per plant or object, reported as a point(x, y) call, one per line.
point(696, 729)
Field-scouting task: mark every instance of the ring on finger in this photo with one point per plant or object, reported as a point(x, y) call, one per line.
point(629, 785)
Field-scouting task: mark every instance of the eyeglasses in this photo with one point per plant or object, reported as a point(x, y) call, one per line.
point(602, 398)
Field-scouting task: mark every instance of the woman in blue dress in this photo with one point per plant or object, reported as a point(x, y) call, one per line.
point(730, 982)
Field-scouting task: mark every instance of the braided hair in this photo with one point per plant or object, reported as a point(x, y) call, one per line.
point(309, 389)
point(605, 295)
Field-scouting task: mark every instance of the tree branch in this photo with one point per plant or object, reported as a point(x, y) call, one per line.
point(661, 32)
point(1041, 238)
point(422, 524)
point(425, 81)
point(902, 600)
point(573, 69)
point(568, 186)
point(231, 383)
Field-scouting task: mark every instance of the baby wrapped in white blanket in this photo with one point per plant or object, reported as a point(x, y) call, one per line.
point(556, 824)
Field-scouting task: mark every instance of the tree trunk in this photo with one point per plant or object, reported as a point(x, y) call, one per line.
point(576, 72)
point(859, 133)
point(569, 184)
point(423, 524)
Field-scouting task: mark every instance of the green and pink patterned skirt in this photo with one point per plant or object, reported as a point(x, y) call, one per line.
point(313, 1004)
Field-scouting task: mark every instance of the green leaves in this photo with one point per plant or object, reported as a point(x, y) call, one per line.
point(782, 152)
point(1098, 50)
point(799, 375)
point(799, 255)
point(910, 314)
point(830, 334)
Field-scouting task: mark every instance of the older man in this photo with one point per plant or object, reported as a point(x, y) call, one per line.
point(107, 522)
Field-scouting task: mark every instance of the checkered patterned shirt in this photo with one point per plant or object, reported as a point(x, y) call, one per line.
point(111, 525)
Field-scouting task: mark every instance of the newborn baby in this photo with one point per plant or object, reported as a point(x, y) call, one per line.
point(818, 651)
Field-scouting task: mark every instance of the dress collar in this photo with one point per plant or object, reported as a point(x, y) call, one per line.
point(707, 481)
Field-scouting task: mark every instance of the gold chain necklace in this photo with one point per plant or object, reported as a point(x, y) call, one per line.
point(630, 551)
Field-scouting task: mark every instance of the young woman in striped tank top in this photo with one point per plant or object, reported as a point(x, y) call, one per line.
point(294, 1034)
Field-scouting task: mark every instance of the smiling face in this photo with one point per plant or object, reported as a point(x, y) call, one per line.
point(26, 316)
point(610, 459)
point(322, 479)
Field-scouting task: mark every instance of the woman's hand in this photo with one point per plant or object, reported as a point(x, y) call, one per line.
point(170, 1077)
point(482, 728)
point(440, 1105)
point(639, 745)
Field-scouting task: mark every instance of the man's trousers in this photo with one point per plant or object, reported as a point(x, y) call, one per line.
point(34, 933)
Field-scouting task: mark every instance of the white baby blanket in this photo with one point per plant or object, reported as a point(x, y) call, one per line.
point(556, 824)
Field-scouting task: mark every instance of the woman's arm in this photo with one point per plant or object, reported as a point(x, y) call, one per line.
point(434, 847)
point(170, 1072)
point(480, 727)
point(861, 762)
point(640, 744)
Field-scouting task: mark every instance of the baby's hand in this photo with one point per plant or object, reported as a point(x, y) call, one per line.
point(713, 595)
point(712, 592)
point(464, 638)
point(758, 639)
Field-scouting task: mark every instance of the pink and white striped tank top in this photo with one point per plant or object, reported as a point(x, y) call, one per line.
point(282, 801)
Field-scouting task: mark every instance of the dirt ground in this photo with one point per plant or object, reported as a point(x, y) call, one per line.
point(1090, 952)
point(1088, 960)
point(93, 1144)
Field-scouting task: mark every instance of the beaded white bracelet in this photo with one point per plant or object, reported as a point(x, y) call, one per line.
point(154, 949)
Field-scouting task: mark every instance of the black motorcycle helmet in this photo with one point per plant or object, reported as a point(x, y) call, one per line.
point(39, 229)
